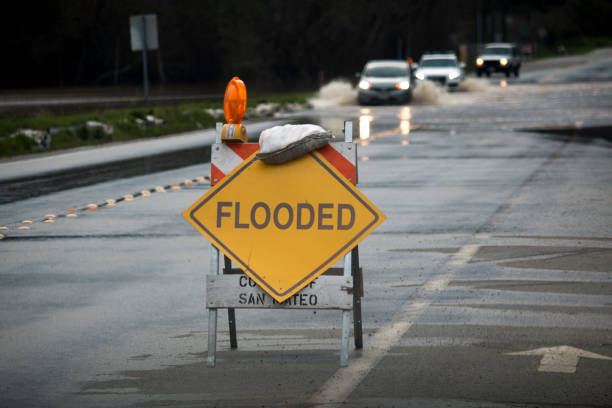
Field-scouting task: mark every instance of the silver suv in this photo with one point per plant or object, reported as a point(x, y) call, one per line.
point(499, 57)
point(441, 68)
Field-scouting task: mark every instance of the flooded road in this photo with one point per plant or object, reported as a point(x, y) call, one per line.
point(489, 284)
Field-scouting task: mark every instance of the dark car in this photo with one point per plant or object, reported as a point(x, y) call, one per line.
point(385, 81)
point(499, 57)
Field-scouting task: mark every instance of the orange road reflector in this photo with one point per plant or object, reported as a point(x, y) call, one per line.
point(128, 197)
point(49, 220)
point(188, 182)
point(26, 221)
point(201, 179)
point(92, 209)
point(72, 210)
point(3, 228)
point(145, 193)
point(160, 189)
point(1, 236)
point(92, 205)
point(24, 228)
point(175, 186)
point(50, 216)
point(71, 215)
point(234, 102)
point(110, 202)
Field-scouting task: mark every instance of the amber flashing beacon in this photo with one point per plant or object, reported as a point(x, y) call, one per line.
point(234, 106)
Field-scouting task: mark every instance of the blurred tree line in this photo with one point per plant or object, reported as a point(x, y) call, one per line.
point(268, 43)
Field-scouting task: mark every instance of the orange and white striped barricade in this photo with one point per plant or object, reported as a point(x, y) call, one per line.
point(226, 157)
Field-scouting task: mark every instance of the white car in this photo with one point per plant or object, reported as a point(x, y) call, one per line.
point(443, 69)
point(385, 81)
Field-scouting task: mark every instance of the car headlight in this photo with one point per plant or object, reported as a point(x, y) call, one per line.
point(453, 75)
point(403, 85)
point(479, 61)
point(364, 84)
point(420, 75)
point(503, 61)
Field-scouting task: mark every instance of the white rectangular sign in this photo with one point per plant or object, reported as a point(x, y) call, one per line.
point(140, 23)
point(241, 292)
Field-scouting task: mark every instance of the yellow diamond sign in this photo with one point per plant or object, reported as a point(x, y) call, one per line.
point(284, 225)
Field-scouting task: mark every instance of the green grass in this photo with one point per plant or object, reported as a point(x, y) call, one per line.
point(70, 130)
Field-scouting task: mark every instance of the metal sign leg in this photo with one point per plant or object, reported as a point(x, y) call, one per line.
point(231, 312)
point(357, 294)
point(212, 314)
point(346, 319)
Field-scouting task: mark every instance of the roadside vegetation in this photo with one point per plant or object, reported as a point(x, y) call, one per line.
point(574, 46)
point(44, 131)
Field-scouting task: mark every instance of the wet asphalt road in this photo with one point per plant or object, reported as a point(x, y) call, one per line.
point(498, 241)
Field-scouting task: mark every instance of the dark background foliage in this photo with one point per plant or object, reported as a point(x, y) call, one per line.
point(274, 43)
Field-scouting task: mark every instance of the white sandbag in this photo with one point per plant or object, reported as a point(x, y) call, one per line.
point(277, 137)
point(281, 144)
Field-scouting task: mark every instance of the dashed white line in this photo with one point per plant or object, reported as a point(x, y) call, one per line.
point(337, 389)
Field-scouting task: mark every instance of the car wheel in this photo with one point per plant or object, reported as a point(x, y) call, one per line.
point(479, 73)
point(408, 97)
point(488, 73)
point(516, 72)
point(508, 73)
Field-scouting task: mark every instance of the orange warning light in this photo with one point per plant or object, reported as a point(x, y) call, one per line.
point(234, 103)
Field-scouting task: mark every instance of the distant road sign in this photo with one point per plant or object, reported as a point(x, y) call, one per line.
point(147, 24)
point(284, 225)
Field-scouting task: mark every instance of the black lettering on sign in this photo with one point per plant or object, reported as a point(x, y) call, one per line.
point(322, 215)
point(220, 212)
point(242, 281)
point(242, 298)
point(277, 221)
point(237, 223)
point(256, 299)
point(300, 222)
point(325, 216)
point(312, 300)
point(266, 209)
point(351, 222)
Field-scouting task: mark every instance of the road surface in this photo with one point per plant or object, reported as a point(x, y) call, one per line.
point(489, 284)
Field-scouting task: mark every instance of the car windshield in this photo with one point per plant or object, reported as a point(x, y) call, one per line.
point(386, 71)
point(496, 51)
point(439, 63)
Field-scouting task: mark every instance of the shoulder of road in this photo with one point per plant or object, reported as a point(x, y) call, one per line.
point(40, 164)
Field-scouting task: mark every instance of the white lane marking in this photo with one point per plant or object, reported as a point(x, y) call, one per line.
point(559, 359)
point(337, 389)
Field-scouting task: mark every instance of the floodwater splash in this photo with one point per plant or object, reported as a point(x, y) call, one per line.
point(427, 93)
point(335, 93)
point(474, 85)
point(342, 93)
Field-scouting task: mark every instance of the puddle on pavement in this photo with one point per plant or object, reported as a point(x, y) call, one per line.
point(364, 130)
point(583, 288)
point(564, 258)
point(19, 189)
point(552, 237)
point(577, 134)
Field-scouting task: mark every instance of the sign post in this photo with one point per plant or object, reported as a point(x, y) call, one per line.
point(143, 36)
point(283, 226)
